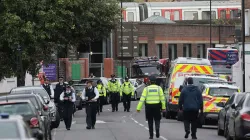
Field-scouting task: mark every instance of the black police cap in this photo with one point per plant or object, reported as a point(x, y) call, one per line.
point(112, 75)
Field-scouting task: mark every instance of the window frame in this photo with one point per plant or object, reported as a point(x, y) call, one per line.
point(132, 16)
point(212, 12)
point(194, 12)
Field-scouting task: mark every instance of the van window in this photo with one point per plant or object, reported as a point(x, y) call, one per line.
point(221, 91)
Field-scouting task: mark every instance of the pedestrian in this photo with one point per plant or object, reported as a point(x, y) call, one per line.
point(73, 90)
point(114, 89)
point(102, 94)
point(190, 103)
point(155, 102)
point(48, 87)
point(68, 98)
point(90, 94)
point(91, 75)
point(127, 90)
point(60, 88)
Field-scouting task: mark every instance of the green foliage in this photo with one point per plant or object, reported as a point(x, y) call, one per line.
point(39, 26)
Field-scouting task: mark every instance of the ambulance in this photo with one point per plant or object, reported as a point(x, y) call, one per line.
point(178, 67)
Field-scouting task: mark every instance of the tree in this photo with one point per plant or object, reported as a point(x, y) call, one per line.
point(31, 30)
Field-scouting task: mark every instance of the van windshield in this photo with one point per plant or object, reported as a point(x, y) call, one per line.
point(222, 91)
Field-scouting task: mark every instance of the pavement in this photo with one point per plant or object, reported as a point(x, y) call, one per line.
point(126, 126)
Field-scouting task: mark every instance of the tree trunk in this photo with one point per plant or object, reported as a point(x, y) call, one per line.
point(33, 80)
point(21, 79)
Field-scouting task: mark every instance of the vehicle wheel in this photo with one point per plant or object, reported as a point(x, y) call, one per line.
point(56, 123)
point(167, 115)
point(229, 137)
point(179, 116)
point(80, 106)
point(220, 132)
point(225, 130)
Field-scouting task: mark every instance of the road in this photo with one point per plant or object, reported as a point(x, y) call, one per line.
point(126, 126)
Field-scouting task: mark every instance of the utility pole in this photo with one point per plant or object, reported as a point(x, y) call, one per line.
point(122, 37)
point(210, 23)
point(243, 40)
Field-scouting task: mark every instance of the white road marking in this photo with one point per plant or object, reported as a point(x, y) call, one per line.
point(99, 121)
point(163, 138)
point(73, 122)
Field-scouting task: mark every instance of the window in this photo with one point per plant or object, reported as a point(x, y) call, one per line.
point(223, 14)
point(167, 14)
point(176, 15)
point(130, 16)
point(143, 49)
point(187, 50)
point(201, 51)
point(222, 92)
point(190, 15)
point(172, 51)
point(234, 14)
point(206, 15)
point(157, 13)
point(159, 50)
point(231, 100)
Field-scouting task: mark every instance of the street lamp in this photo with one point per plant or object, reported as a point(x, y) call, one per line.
point(122, 37)
point(243, 40)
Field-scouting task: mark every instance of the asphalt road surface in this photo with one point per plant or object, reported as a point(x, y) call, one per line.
point(126, 126)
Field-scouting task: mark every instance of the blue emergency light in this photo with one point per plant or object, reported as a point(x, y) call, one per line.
point(4, 115)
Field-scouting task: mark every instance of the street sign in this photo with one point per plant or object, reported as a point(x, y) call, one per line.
point(130, 40)
point(232, 57)
point(247, 52)
point(50, 71)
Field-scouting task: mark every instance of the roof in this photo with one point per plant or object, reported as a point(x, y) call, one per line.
point(27, 88)
point(158, 19)
point(16, 101)
point(10, 96)
point(190, 60)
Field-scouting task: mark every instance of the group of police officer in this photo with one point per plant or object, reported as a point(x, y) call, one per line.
point(152, 96)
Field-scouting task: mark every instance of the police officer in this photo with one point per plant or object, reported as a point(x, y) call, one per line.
point(68, 98)
point(60, 88)
point(127, 91)
point(114, 89)
point(48, 87)
point(154, 100)
point(91, 95)
point(102, 94)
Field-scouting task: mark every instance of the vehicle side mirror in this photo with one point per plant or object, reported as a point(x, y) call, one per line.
point(180, 88)
point(221, 104)
point(233, 106)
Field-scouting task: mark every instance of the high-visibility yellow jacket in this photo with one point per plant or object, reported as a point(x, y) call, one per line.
point(101, 89)
point(152, 94)
point(127, 88)
point(114, 86)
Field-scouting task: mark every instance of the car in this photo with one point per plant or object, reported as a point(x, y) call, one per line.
point(239, 120)
point(225, 113)
point(14, 128)
point(55, 117)
point(78, 89)
point(30, 115)
point(41, 108)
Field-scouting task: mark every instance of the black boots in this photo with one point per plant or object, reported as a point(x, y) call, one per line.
point(186, 135)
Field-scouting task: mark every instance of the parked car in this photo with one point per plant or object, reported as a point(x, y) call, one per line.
point(239, 120)
point(55, 118)
point(14, 128)
point(42, 109)
point(225, 113)
point(78, 89)
point(30, 115)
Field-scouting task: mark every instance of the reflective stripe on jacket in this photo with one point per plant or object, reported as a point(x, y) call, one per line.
point(152, 94)
point(113, 86)
point(101, 89)
point(127, 88)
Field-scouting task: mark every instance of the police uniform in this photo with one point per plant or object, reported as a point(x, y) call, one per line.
point(49, 89)
point(154, 100)
point(68, 99)
point(102, 94)
point(91, 95)
point(60, 88)
point(114, 89)
point(127, 91)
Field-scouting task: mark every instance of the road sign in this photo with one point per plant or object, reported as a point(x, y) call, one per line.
point(232, 57)
point(50, 71)
point(130, 40)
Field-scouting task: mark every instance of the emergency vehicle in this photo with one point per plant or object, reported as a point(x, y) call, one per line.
point(215, 94)
point(179, 66)
point(199, 80)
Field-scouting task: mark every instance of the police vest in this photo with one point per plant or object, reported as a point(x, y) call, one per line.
point(127, 88)
point(113, 86)
point(152, 95)
point(47, 88)
point(90, 93)
point(100, 89)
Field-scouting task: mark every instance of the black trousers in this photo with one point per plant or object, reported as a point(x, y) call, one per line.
point(126, 101)
point(153, 114)
point(91, 113)
point(101, 102)
point(60, 107)
point(67, 113)
point(190, 117)
point(115, 99)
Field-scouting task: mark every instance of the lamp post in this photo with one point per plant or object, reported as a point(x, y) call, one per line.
point(243, 40)
point(210, 23)
point(122, 37)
